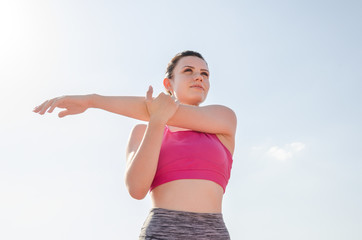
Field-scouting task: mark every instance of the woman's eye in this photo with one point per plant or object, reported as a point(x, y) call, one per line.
point(188, 70)
point(205, 74)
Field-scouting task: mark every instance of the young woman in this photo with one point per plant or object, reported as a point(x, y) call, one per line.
point(183, 156)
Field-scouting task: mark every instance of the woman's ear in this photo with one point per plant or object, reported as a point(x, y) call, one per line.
point(167, 85)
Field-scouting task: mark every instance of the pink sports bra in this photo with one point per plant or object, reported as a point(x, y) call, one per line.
point(192, 155)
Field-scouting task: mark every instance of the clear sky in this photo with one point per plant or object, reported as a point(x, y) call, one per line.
point(291, 70)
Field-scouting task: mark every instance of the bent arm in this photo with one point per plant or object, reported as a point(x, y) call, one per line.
point(215, 119)
point(144, 148)
point(142, 157)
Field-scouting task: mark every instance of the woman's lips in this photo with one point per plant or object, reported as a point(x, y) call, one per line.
point(197, 86)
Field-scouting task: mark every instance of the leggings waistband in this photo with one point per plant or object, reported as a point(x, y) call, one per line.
point(185, 213)
point(173, 225)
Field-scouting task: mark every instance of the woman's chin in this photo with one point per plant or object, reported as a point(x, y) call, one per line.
point(194, 101)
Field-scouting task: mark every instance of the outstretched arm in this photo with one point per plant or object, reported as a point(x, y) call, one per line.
point(129, 106)
point(212, 119)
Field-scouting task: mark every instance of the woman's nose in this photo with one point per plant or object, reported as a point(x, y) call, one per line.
point(198, 77)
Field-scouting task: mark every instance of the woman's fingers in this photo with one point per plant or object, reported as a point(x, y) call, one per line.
point(67, 112)
point(49, 104)
point(40, 107)
point(64, 113)
point(55, 104)
point(45, 107)
point(149, 93)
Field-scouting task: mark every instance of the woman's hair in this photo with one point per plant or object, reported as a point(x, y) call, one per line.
point(171, 65)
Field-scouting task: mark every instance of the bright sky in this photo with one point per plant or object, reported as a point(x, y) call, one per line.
point(291, 70)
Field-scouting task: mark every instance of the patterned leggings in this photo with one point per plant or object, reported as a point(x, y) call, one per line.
point(164, 224)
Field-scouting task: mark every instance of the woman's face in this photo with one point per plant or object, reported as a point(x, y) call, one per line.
point(190, 82)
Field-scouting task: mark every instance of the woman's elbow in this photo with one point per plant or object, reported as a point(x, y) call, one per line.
point(136, 192)
point(138, 195)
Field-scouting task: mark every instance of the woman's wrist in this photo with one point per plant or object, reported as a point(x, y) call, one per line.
point(91, 100)
point(157, 122)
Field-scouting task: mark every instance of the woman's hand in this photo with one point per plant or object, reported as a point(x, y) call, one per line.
point(161, 108)
point(72, 104)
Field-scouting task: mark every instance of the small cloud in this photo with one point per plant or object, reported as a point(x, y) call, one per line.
point(279, 153)
point(286, 152)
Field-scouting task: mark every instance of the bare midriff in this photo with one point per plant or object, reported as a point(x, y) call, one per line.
point(191, 195)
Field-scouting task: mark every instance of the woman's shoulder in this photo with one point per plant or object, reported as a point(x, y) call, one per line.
point(230, 120)
point(224, 113)
point(222, 109)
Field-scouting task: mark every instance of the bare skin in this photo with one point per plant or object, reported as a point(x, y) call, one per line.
point(192, 195)
point(189, 86)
